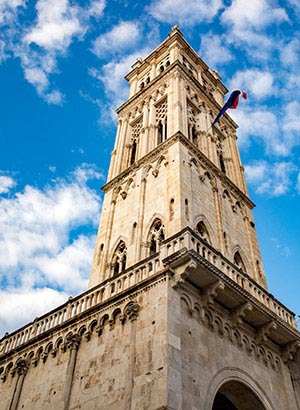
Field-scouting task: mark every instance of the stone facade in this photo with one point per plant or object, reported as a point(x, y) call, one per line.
point(177, 314)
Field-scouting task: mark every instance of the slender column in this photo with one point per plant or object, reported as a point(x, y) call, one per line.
point(73, 345)
point(250, 245)
point(120, 154)
point(144, 137)
point(21, 371)
point(152, 131)
point(112, 168)
point(140, 224)
point(110, 221)
point(131, 314)
point(218, 217)
point(177, 105)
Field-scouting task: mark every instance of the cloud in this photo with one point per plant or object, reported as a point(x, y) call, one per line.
point(290, 53)
point(20, 306)
point(220, 55)
point(120, 38)
point(258, 83)
point(258, 14)
point(292, 117)
point(112, 75)
point(178, 12)
point(44, 238)
point(41, 44)
point(9, 10)
point(272, 179)
point(6, 183)
point(57, 23)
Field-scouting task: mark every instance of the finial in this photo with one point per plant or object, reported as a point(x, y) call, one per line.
point(175, 28)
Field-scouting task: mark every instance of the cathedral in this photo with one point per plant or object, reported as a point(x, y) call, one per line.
point(177, 315)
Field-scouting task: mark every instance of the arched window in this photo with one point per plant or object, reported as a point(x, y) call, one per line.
point(119, 259)
point(194, 135)
point(172, 209)
point(159, 133)
point(222, 163)
point(203, 232)
point(239, 261)
point(187, 212)
point(156, 235)
point(133, 152)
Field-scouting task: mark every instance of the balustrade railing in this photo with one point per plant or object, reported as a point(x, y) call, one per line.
point(185, 240)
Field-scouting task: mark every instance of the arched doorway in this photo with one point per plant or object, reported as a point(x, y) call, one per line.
point(234, 395)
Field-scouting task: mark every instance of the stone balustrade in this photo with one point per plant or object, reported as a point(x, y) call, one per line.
point(189, 240)
point(184, 240)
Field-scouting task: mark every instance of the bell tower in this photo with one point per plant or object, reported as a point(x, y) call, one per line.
point(177, 315)
point(170, 170)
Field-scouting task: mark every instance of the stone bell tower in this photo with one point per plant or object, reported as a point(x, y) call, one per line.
point(177, 315)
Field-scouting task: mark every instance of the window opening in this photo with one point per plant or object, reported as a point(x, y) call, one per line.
point(157, 235)
point(119, 259)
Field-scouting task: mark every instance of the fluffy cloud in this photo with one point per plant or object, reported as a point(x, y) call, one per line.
point(40, 238)
point(290, 53)
point(258, 83)
point(221, 54)
point(121, 37)
point(272, 179)
point(40, 45)
point(257, 14)
point(179, 12)
point(9, 10)
point(17, 306)
point(112, 75)
point(6, 183)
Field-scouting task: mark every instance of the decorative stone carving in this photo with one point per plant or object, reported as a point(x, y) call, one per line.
point(289, 350)
point(240, 313)
point(264, 331)
point(131, 311)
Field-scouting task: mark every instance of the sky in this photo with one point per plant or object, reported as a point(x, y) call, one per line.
point(62, 67)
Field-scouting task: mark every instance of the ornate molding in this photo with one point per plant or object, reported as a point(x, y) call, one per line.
point(239, 314)
point(289, 350)
point(262, 334)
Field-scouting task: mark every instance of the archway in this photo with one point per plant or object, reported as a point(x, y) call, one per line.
point(234, 395)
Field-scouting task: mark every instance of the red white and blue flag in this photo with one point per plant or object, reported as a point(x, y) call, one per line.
point(232, 103)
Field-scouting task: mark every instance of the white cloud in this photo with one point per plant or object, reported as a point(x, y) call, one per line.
point(221, 54)
point(179, 12)
point(292, 117)
point(40, 240)
point(112, 75)
point(9, 9)
point(96, 8)
point(272, 179)
point(255, 82)
point(120, 38)
point(20, 306)
point(57, 23)
point(290, 53)
point(6, 183)
point(258, 14)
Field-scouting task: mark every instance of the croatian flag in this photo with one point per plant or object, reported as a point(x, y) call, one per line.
point(232, 103)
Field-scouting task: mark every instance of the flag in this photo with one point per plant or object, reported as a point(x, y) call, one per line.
point(232, 103)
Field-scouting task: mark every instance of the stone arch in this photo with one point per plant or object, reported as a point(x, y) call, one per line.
point(237, 252)
point(233, 385)
point(210, 229)
point(148, 231)
point(187, 302)
point(119, 257)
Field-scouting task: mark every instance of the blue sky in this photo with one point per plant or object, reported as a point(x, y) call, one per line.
point(62, 65)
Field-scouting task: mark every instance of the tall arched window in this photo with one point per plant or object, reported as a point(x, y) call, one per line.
point(133, 152)
point(156, 235)
point(222, 163)
point(239, 261)
point(203, 232)
point(119, 259)
point(160, 133)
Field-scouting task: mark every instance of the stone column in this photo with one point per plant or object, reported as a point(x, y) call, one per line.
point(112, 169)
point(144, 137)
point(250, 245)
point(131, 314)
point(73, 345)
point(218, 216)
point(21, 370)
point(102, 267)
point(140, 223)
point(121, 150)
